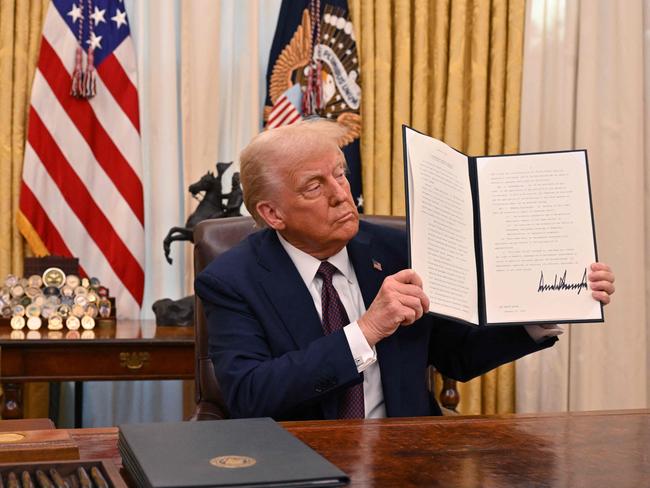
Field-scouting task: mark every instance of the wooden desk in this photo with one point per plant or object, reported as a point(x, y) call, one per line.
point(555, 450)
point(126, 350)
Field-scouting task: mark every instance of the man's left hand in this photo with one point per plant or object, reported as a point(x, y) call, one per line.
point(601, 282)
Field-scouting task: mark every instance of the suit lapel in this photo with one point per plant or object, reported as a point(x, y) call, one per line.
point(287, 292)
point(367, 260)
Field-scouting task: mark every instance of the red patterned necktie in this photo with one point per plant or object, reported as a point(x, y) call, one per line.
point(335, 318)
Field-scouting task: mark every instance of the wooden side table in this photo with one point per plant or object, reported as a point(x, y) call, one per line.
point(122, 350)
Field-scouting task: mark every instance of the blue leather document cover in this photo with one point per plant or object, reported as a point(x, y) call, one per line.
point(220, 453)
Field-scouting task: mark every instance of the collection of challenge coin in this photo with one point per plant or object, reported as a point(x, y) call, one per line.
point(60, 299)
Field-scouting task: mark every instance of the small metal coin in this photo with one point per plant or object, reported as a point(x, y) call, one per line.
point(87, 322)
point(7, 311)
point(85, 282)
point(32, 292)
point(81, 291)
point(11, 281)
point(72, 323)
point(33, 310)
point(94, 282)
point(78, 310)
point(102, 291)
point(35, 281)
point(104, 308)
point(39, 300)
point(51, 291)
point(17, 322)
point(54, 277)
point(64, 311)
point(47, 310)
point(81, 300)
point(18, 310)
point(17, 291)
point(72, 281)
point(55, 322)
point(92, 310)
point(34, 323)
point(67, 291)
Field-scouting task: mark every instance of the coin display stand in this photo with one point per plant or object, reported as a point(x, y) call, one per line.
point(56, 301)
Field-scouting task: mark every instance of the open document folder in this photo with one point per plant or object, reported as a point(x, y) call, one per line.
point(501, 240)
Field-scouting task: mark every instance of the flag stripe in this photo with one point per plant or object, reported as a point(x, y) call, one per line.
point(120, 86)
point(80, 156)
point(292, 120)
point(82, 204)
point(121, 131)
point(278, 109)
point(287, 113)
point(125, 55)
point(42, 223)
point(106, 153)
point(281, 104)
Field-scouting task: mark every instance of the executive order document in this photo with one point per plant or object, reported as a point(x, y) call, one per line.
point(501, 239)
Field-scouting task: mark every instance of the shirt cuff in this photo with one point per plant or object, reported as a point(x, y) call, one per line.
point(540, 333)
point(363, 354)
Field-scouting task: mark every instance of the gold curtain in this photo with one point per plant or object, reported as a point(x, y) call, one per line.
point(451, 69)
point(21, 23)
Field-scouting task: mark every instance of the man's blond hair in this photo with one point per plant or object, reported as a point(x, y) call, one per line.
point(275, 151)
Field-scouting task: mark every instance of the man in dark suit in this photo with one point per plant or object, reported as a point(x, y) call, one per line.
point(316, 315)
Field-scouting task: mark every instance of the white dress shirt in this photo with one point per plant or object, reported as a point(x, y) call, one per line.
point(346, 285)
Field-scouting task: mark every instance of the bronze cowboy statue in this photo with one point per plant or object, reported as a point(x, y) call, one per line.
point(211, 206)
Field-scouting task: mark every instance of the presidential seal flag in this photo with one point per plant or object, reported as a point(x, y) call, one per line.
point(81, 192)
point(314, 70)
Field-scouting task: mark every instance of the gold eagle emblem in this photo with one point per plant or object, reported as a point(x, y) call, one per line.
point(337, 54)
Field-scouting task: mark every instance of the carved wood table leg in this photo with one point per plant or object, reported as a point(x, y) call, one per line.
point(12, 405)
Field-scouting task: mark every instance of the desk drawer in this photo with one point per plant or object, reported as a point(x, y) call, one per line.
point(106, 362)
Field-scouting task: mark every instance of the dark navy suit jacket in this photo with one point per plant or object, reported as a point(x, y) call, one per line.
point(272, 359)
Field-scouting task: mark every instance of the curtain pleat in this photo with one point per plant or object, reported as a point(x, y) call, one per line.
point(20, 30)
point(585, 80)
point(452, 70)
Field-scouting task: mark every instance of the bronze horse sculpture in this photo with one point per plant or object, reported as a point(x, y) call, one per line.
point(211, 206)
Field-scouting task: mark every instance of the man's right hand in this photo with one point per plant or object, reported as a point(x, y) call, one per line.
point(400, 301)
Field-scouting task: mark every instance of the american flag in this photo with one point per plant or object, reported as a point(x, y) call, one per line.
point(81, 192)
point(285, 111)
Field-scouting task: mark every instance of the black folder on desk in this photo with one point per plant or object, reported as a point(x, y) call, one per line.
point(222, 453)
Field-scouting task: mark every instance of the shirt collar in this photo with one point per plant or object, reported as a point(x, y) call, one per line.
point(307, 265)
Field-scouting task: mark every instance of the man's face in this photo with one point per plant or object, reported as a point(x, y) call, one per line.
point(315, 208)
